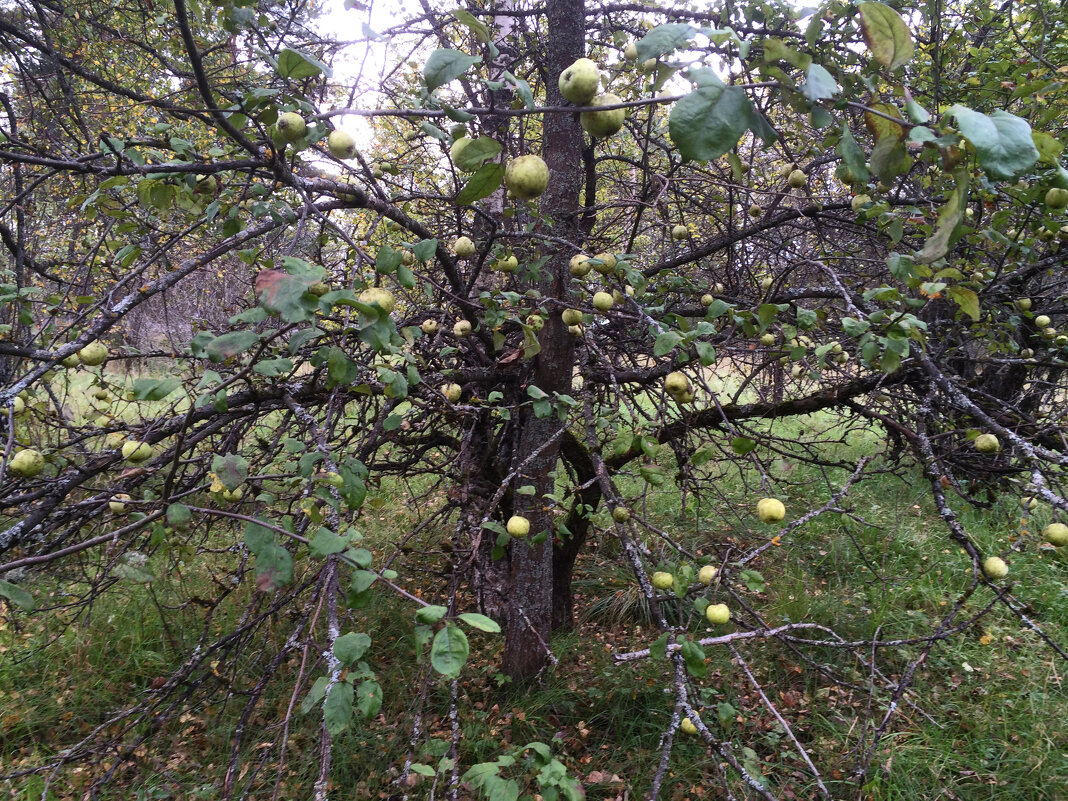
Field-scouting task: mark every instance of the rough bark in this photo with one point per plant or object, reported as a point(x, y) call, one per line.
point(530, 613)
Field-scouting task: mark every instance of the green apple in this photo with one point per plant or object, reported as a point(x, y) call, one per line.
point(71, 361)
point(603, 301)
point(137, 452)
point(755, 211)
point(18, 406)
point(518, 526)
point(461, 329)
point(117, 504)
point(407, 258)
point(687, 726)
point(648, 65)
point(1022, 304)
point(234, 495)
point(580, 265)
point(575, 330)
point(319, 288)
point(621, 514)
point(797, 179)
point(341, 144)
point(1042, 321)
point(27, 463)
point(987, 443)
point(995, 568)
point(571, 316)
point(429, 327)
point(463, 247)
point(685, 397)
point(765, 283)
point(767, 340)
point(1056, 534)
point(508, 264)
point(376, 296)
point(526, 177)
point(602, 124)
point(1028, 504)
point(676, 383)
point(680, 232)
point(631, 52)
point(717, 614)
point(291, 126)
point(770, 510)
point(1026, 353)
point(606, 263)
point(579, 82)
point(452, 392)
point(707, 574)
point(536, 322)
point(708, 300)
point(662, 580)
point(1057, 198)
point(93, 354)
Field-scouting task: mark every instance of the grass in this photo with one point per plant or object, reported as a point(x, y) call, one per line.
point(994, 691)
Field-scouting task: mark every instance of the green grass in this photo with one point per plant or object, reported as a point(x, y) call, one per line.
point(994, 690)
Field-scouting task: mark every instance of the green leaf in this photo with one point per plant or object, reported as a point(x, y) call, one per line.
point(464, 17)
point(18, 596)
point(743, 445)
point(819, 84)
point(664, 39)
point(369, 698)
point(708, 122)
point(753, 581)
point(297, 65)
point(886, 34)
point(706, 353)
point(326, 542)
point(337, 711)
point(151, 389)
point(178, 514)
point(350, 647)
point(694, 657)
point(1049, 148)
point(966, 299)
point(449, 651)
point(482, 184)
point(425, 249)
point(222, 348)
point(362, 580)
point(445, 65)
point(476, 152)
point(232, 470)
point(725, 714)
point(949, 219)
point(431, 614)
point(272, 368)
point(852, 155)
point(315, 695)
point(1002, 141)
point(666, 342)
point(274, 568)
point(658, 650)
point(480, 622)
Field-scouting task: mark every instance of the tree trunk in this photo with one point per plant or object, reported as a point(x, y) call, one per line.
point(530, 613)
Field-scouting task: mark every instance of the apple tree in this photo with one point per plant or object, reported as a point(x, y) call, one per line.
point(525, 269)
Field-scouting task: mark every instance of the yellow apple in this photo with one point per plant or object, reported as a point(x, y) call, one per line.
point(117, 504)
point(579, 82)
point(662, 580)
point(526, 177)
point(995, 568)
point(27, 463)
point(518, 526)
point(1056, 534)
point(770, 510)
point(602, 124)
point(707, 574)
point(987, 443)
point(717, 614)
